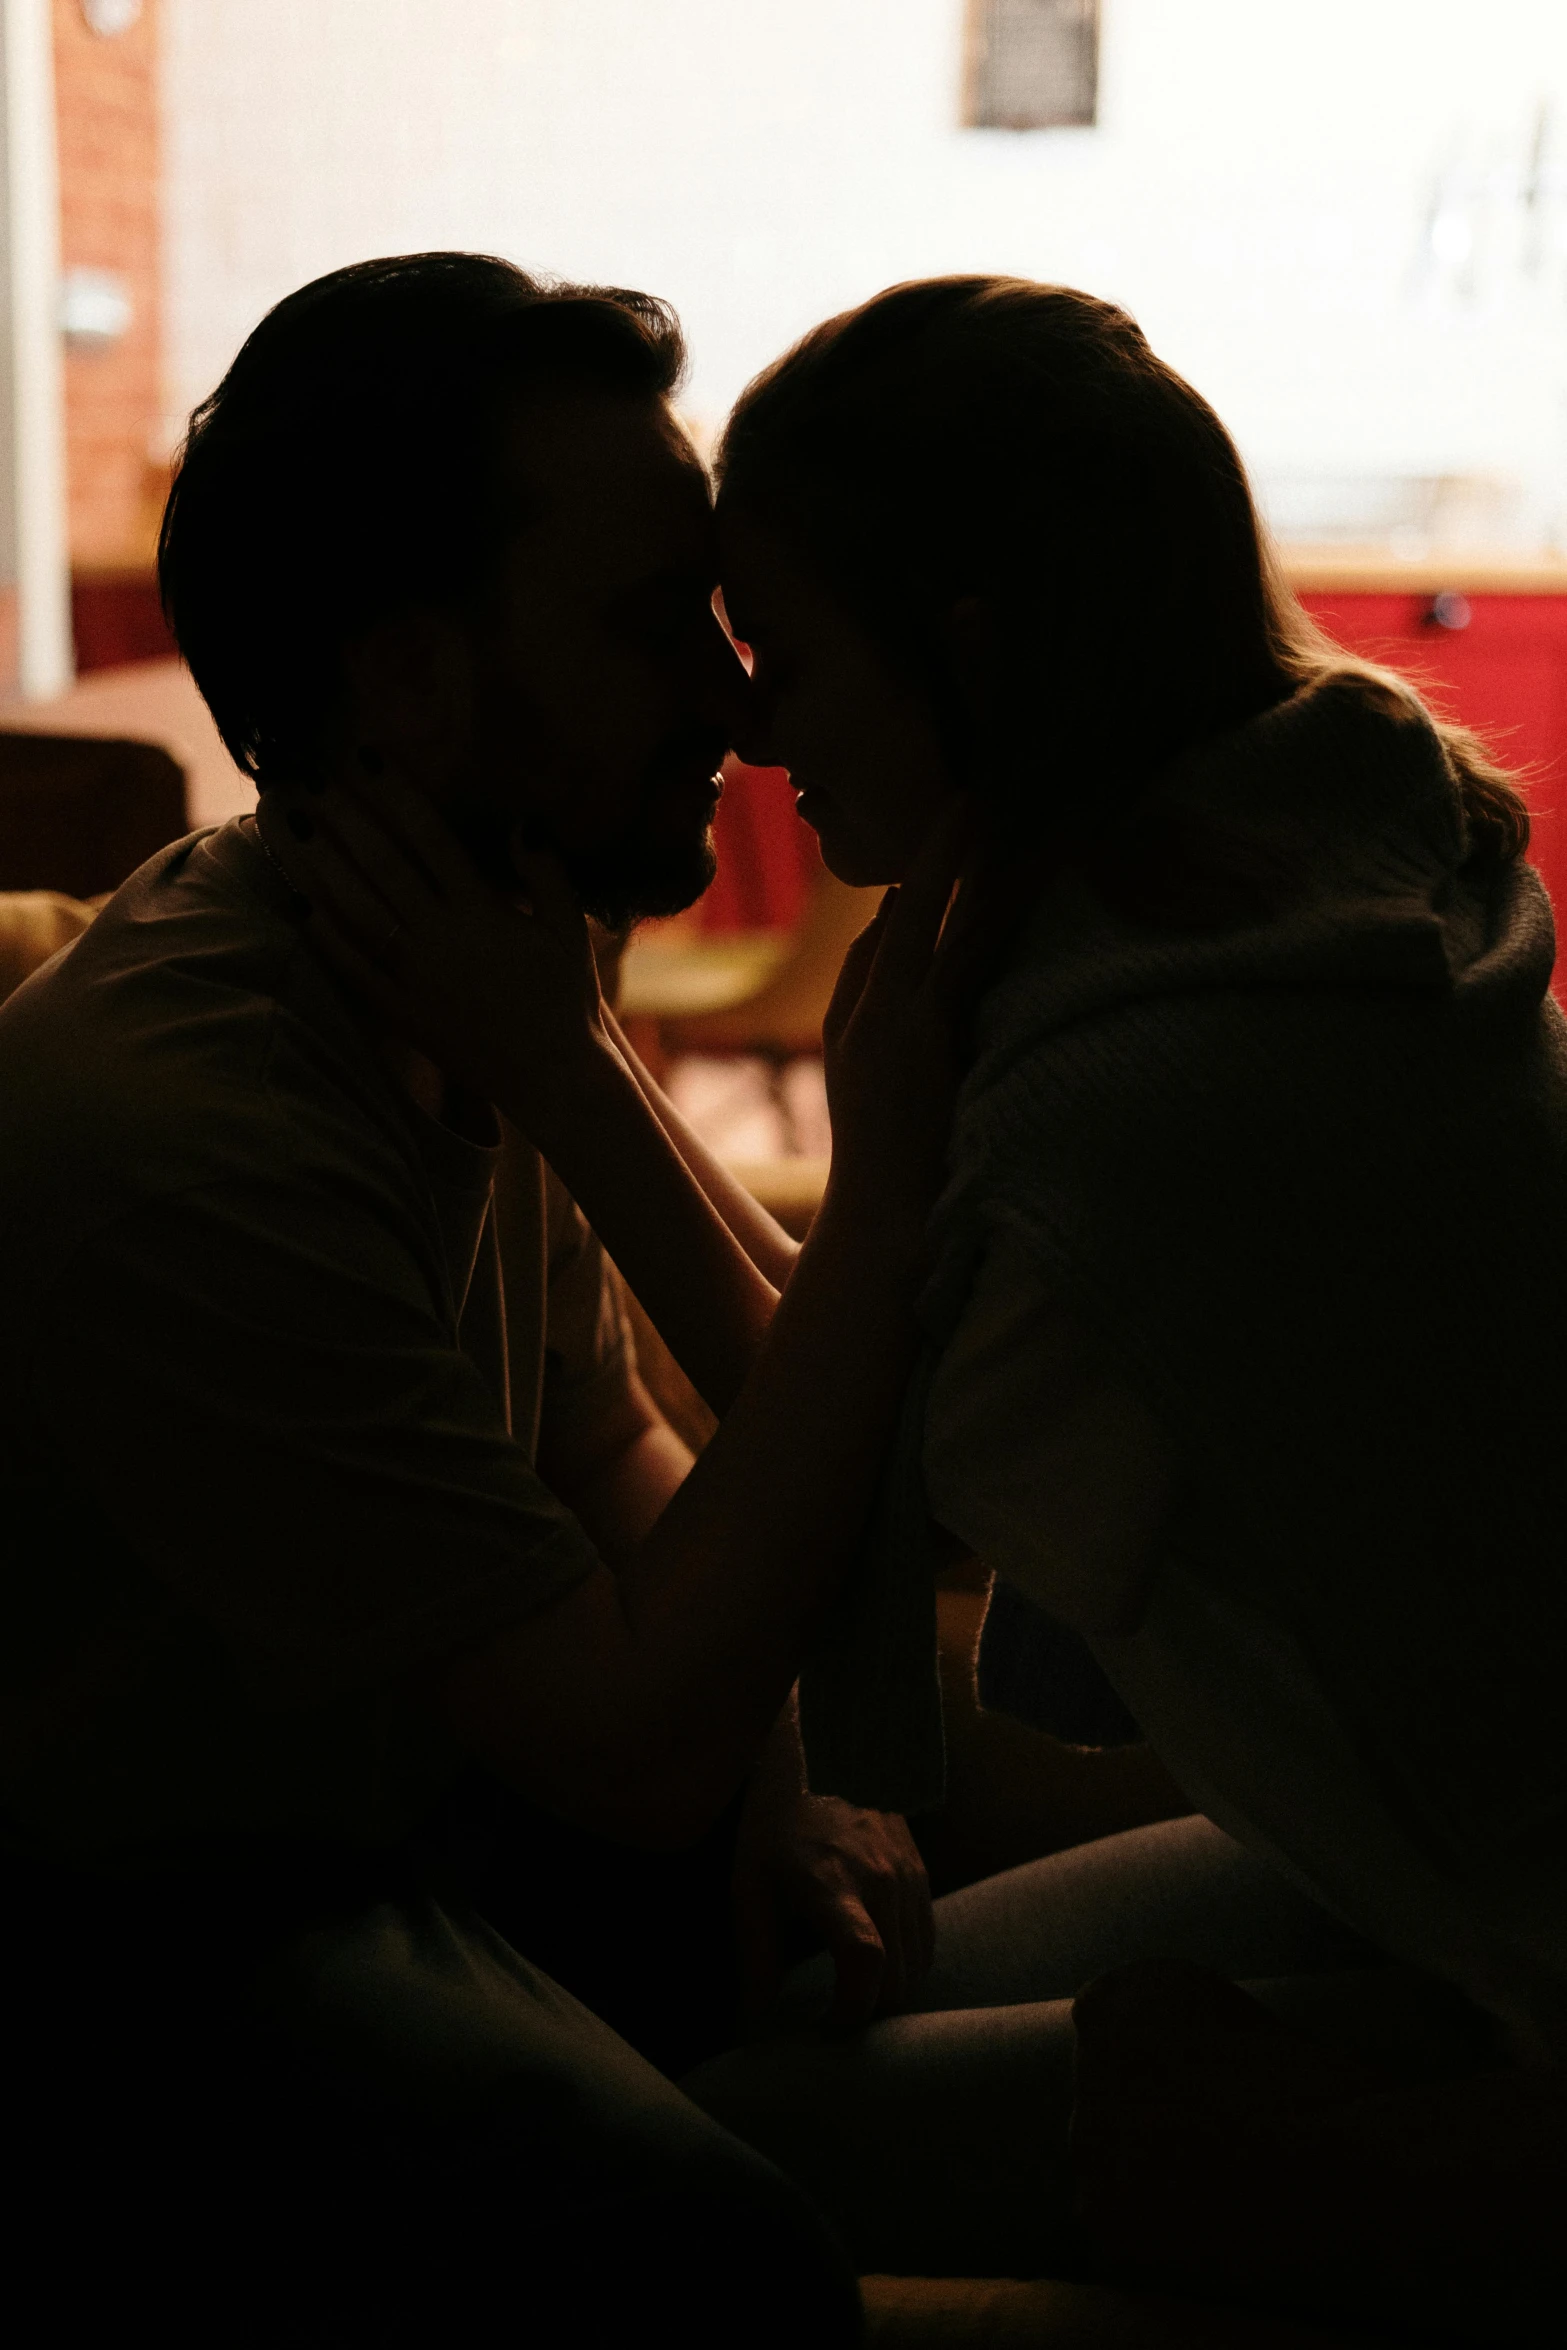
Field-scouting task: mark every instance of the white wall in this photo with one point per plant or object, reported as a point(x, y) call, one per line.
point(1260, 191)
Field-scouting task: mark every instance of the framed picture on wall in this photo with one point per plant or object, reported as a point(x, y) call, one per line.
point(1030, 65)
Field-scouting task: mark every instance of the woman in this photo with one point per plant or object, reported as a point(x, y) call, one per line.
point(1252, 1265)
point(1276, 1051)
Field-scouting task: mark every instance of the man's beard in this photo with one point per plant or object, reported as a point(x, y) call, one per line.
point(655, 865)
point(644, 874)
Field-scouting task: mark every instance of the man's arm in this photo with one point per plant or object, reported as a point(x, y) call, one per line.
point(852, 1878)
point(635, 1702)
point(352, 1514)
point(617, 1468)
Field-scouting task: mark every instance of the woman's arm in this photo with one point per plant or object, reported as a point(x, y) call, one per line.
point(699, 1287)
point(770, 1248)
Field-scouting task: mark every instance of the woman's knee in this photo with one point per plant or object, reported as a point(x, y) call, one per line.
point(924, 2138)
point(1179, 1889)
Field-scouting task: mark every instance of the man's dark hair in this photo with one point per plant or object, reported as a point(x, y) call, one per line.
point(349, 464)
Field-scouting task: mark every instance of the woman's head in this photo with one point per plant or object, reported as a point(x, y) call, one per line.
point(979, 534)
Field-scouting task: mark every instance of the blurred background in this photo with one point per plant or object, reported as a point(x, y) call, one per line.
point(1347, 224)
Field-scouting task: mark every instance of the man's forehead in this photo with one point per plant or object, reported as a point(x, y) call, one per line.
point(611, 487)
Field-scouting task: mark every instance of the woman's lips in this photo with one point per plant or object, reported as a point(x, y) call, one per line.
point(811, 805)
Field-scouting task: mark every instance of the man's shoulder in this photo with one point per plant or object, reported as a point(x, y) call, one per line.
point(194, 918)
point(187, 1038)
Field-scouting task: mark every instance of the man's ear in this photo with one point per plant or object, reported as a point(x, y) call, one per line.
point(411, 694)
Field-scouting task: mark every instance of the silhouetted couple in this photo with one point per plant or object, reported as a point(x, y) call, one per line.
point(1192, 1254)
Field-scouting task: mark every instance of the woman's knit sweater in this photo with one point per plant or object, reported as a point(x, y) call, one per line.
point(1290, 1137)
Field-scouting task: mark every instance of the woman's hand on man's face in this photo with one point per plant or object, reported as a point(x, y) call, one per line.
point(896, 1032)
point(502, 994)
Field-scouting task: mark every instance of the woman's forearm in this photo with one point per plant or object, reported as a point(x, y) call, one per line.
point(693, 1278)
point(770, 1248)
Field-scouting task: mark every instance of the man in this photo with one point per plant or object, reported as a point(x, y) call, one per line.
point(322, 1422)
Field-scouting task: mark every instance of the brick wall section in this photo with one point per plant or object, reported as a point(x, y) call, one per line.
point(106, 93)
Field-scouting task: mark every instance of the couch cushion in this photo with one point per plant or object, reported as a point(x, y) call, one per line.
point(35, 924)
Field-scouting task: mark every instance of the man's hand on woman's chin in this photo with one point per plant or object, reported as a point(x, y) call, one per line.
point(853, 1880)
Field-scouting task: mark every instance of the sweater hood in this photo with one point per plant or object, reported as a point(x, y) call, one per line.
point(1321, 845)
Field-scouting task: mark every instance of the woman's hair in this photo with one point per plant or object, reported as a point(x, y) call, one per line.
point(1021, 443)
point(351, 462)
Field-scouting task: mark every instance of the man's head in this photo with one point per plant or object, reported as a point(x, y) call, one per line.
point(440, 514)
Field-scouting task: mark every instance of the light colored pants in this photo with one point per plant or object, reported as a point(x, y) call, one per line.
point(936, 2140)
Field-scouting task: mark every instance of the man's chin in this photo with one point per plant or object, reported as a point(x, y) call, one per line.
point(641, 880)
point(625, 882)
